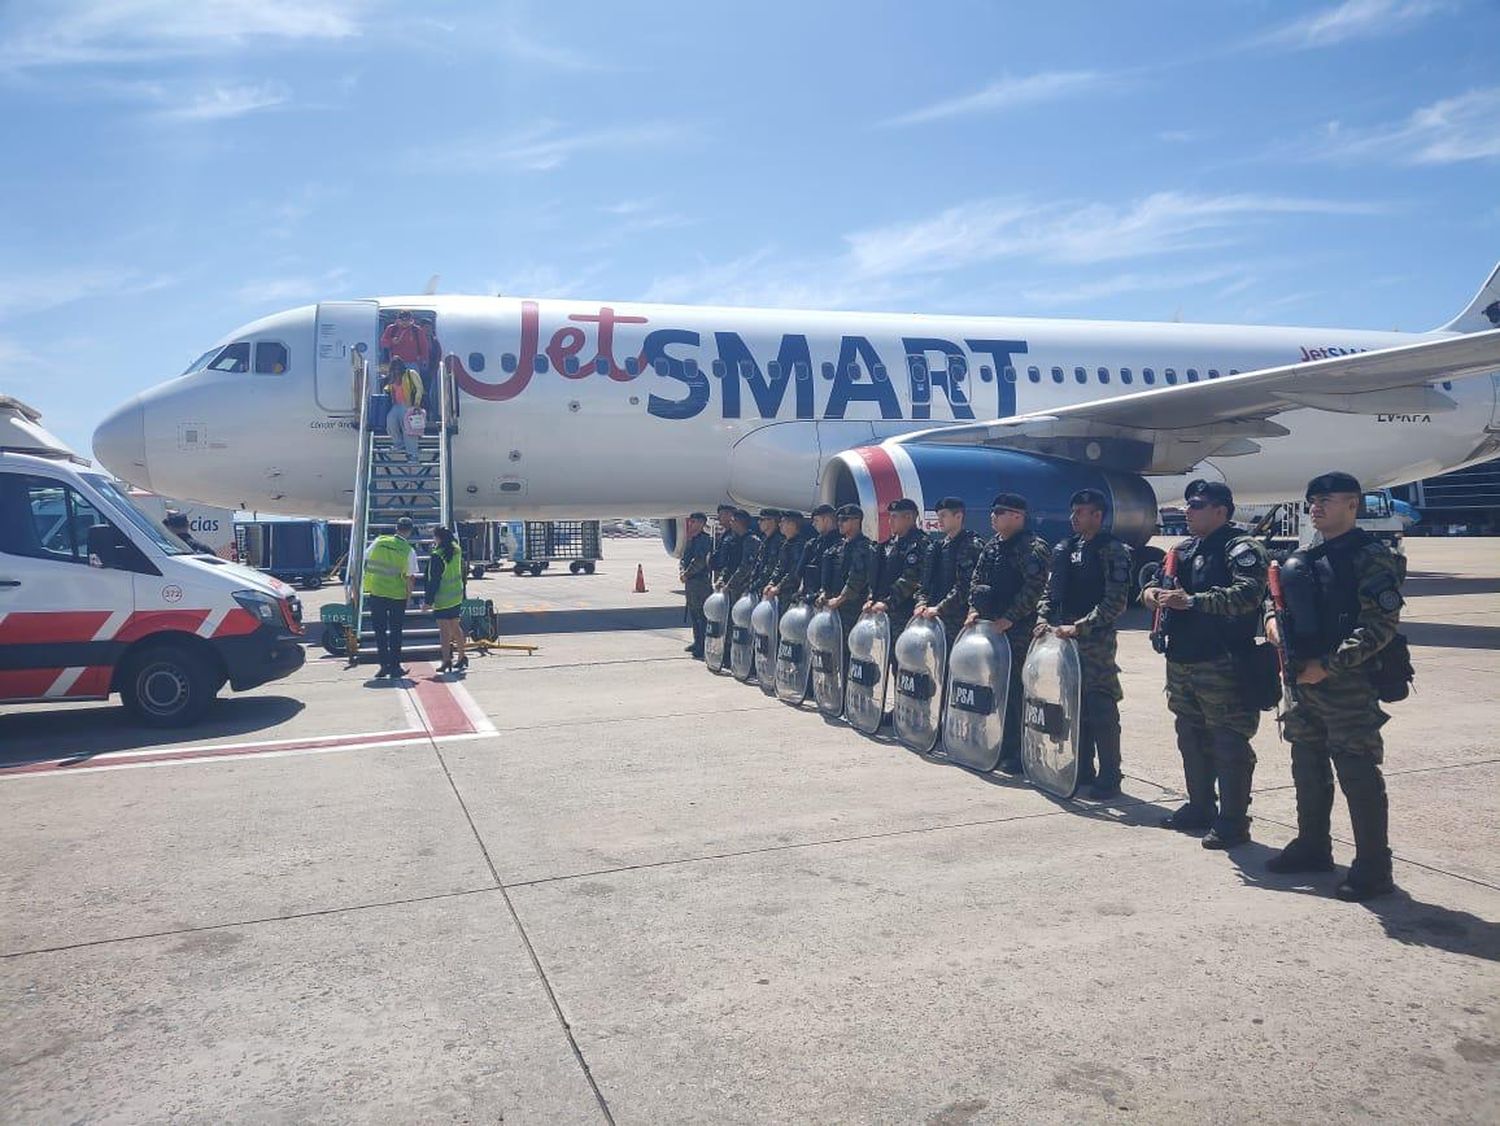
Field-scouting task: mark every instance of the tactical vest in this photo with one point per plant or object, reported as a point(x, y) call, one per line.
point(1077, 586)
point(791, 554)
point(822, 578)
point(891, 562)
point(1005, 572)
point(942, 565)
point(450, 591)
point(843, 558)
point(385, 569)
point(1322, 595)
point(1193, 636)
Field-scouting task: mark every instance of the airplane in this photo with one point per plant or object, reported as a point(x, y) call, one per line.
point(572, 409)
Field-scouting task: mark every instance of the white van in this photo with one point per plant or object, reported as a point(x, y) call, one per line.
point(98, 598)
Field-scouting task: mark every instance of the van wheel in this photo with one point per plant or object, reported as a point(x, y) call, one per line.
point(166, 686)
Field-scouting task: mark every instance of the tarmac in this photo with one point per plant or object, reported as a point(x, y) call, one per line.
point(600, 884)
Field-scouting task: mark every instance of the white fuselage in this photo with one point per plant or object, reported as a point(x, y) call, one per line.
point(694, 405)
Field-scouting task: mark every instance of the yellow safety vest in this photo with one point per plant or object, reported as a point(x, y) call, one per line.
point(385, 569)
point(450, 591)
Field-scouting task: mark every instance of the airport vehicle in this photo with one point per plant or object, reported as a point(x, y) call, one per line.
point(295, 551)
point(98, 598)
point(566, 409)
point(544, 542)
point(1285, 527)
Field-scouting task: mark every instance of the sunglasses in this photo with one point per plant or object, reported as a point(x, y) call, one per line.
point(1198, 505)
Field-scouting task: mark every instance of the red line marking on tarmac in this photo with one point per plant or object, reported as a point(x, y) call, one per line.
point(438, 704)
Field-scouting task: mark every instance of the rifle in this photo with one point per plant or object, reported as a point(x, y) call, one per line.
point(1283, 650)
point(1167, 580)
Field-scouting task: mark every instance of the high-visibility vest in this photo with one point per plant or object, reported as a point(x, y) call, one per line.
point(450, 591)
point(385, 569)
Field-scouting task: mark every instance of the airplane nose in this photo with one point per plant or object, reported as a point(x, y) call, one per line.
point(120, 444)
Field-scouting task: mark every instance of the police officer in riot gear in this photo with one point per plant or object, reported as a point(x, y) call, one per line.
point(806, 582)
point(1087, 590)
point(900, 563)
point(1210, 616)
point(742, 575)
point(847, 570)
point(726, 543)
point(693, 571)
point(1343, 601)
point(950, 569)
point(771, 540)
point(795, 535)
point(1007, 584)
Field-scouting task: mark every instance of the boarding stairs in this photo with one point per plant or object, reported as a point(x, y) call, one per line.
point(388, 485)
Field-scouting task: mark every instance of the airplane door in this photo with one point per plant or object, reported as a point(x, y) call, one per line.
point(344, 327)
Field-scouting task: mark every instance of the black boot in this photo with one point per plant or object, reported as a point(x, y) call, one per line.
point(1198, 776)
point(1188, 818)
point(1302, 856)
point(1235, 766)
point(1369, 815)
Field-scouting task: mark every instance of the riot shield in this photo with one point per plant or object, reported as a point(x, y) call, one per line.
point(764, 622)
point(921, 651)
point(716, 632)
point(825, 641)
point(978, 689)
point(741, 644)
point(869, 657)
point(793, 657)
point(1052, 679)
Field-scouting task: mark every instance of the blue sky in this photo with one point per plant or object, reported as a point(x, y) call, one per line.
point(179, 168)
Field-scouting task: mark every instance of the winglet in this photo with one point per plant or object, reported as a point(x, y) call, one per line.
point(1483, 312)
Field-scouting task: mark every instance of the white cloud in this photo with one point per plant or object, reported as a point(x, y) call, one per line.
point(1081, 293)
point(26, 294)
point(1008, 93)
point(517, 45)
point(547, 281)
point(293, 288)
point(545, 147)
point(111, 31)
point(1450, 131)
point(220, 103)
point(1353, 19)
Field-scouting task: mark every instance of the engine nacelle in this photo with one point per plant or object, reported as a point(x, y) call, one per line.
point(671, 535)
point(873, 476)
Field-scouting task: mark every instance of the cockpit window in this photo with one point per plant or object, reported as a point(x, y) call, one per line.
point(234, 358)
point(201, 362)
point(270, 357)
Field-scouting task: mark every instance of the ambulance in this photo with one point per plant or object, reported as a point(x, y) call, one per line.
point(97, 599)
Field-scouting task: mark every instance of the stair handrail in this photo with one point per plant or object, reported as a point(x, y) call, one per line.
point(360, 518)
point(449, 414)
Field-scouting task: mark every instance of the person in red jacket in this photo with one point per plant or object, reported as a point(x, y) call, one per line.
point(405, 339)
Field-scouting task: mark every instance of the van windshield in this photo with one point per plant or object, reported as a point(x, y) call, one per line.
point(124, 506)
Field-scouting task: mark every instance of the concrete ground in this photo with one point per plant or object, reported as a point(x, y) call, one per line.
point(600, 884)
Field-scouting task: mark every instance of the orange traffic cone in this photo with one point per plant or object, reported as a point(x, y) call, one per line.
point(640, 579)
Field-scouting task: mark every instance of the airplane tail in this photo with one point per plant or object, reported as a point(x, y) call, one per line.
point(1483, 312)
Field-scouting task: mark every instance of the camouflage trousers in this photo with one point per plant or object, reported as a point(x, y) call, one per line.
point(1096, 653)
point(1335, 729)
point(1214, 727)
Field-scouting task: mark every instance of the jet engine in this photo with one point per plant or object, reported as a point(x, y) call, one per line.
point(873, 476)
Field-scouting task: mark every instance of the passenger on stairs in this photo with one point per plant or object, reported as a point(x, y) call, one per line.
point(445, 593)
point(404, 386)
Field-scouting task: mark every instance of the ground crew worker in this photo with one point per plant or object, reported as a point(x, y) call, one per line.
point(1007, 584)
point(1209, 616)
point(693, 570)
point(1087, 590)
point(849, 567)
point(950, 569)
point(900, 563)
point(177, 523)
point(390, 574)
point(794, 539)
point(1351, 614)
point(771, 540)
point(725, 556)
point(807, 582)
point(445, 592)
point(743, 574)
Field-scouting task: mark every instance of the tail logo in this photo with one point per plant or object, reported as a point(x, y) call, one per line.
point(1492, 311)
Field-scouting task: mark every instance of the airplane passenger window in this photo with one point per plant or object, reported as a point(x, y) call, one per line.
point(803, 371)
point(747, 370)
point(1034, 374)
point(1148, 376)
point(1125, 376)
point(1447, 385)
point(958, 367)
point(1234, 371)
point(570, 365)
point(719, 369)
point(773, 369)
point(270, 358)
point(1010, 374)
point(1169, 374)
point(1192, 374)
point(878, 371)
point(853, 370)
point(508, 361)
point(1213, 373)
point(1103, 374)
point(539, 365)
point(1081, 375)
point(234, 359)
point(689, 366)
point(1057, 375)
point(601, 365)
point(662, 366)
point(827, 370)
point(476, 361)
point(632, 365)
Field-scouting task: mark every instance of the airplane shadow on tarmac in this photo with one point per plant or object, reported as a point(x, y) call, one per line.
point(1448, 635)
point(77, 735)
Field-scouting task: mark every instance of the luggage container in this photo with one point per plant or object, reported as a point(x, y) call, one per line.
point(544, 542)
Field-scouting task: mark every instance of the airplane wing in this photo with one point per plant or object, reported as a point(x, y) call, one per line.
point(1172, 429)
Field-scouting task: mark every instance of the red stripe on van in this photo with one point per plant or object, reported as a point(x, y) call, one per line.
point(27, 628)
